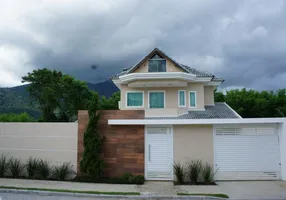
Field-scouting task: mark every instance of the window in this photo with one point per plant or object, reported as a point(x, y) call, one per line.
point(134, 99)
point(156, 99)
point(193, 99)
point(182, 98)
point(157, 64)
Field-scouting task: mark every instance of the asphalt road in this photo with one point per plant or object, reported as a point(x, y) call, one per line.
point(13, 196)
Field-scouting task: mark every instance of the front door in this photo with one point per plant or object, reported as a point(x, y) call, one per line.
point(159, 153)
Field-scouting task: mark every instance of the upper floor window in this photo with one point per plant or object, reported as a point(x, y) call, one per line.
point(193, 99)
point(157, 64)
point(157, 99)
point(135, 99)
point(182, 98)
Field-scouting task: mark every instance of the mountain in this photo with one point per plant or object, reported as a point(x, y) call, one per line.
point(16, 99)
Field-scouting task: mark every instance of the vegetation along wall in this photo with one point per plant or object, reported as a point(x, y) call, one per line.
point(123, 146)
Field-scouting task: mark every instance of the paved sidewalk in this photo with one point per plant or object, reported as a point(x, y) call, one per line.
point(235, 190)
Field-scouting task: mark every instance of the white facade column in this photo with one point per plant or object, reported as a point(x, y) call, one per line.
point(282, 140)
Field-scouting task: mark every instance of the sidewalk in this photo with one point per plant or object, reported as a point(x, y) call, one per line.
point(235, 190)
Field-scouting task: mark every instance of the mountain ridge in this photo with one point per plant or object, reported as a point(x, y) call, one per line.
point(16, 99)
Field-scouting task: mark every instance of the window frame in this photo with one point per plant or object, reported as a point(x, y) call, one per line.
point(157, 59)
point(185, 99)
point(134, 91)
point(195, 92)
point(154, 91)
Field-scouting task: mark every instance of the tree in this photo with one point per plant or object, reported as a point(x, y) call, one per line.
point(58, 96)
point(251, 103)
point(91, 163)
point(110, 103)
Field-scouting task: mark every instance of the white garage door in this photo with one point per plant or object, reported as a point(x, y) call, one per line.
point(159, 153)
point(247, 152)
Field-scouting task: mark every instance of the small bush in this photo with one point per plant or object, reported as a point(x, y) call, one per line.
point(193, 170)
point(138, 180)
point(22, 117)
point(44, 170)
point(4, 165)
point(16, 167)
point(63, 172)
point(32, 167)
point(208, 174)
point(179, 172)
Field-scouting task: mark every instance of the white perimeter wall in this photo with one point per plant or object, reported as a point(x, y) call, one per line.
point(54, 142)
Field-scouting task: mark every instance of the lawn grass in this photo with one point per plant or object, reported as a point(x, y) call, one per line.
point(71, 191)
point(203, 194)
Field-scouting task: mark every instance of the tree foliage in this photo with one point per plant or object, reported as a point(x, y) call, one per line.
point(58, 96)
point(23, 117)
point(252, 103)
point(91, 163)
point(110, 103)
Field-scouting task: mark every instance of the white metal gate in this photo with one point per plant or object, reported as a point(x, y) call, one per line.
point(159, 153)
point(247, 152)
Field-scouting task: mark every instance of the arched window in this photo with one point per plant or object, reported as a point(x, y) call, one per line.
point(157, 64)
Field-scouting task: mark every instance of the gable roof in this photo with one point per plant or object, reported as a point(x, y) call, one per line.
point(185, 68)
point(219, 111)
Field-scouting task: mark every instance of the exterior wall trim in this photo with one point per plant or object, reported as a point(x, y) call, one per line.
point(134, 91)
point(156, 75)
point(197, 121)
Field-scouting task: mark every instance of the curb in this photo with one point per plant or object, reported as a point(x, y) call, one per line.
point(70, 194)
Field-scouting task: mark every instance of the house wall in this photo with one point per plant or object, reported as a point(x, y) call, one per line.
point(193, 142)
point(170, 67)
point(123, 147)
point(171, 98)
point(54, 142)
point(209, 95)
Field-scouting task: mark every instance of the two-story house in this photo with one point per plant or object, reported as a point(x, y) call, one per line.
point(168, 114)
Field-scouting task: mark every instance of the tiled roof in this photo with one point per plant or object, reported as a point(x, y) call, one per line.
point(219, 111)
point(186, 68)
point(196, 72)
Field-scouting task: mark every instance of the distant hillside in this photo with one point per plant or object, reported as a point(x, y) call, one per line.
point(16, 99)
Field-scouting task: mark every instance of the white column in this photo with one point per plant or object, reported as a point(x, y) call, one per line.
point(282, 140)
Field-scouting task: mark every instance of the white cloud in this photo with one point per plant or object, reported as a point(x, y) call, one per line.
point(14, 63)
point(236, 40)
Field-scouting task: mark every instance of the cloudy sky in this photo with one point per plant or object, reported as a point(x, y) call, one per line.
point(242, 41)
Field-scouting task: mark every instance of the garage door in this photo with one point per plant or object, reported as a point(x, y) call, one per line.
point(247, 153)
point(159, 153)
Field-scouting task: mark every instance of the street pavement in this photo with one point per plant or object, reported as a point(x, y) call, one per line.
point(13, 196)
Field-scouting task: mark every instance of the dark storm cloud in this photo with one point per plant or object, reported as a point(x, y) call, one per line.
point(242, 41)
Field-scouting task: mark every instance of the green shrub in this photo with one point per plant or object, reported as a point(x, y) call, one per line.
point(138, 180)
point(23, 117)
point(208, 173)
point(92, 163)
point(193, 170)
point(179, 172)
point(4, 165)
point(16, 167)
point(63, 172)
point(44, 170)
point(32, 167)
